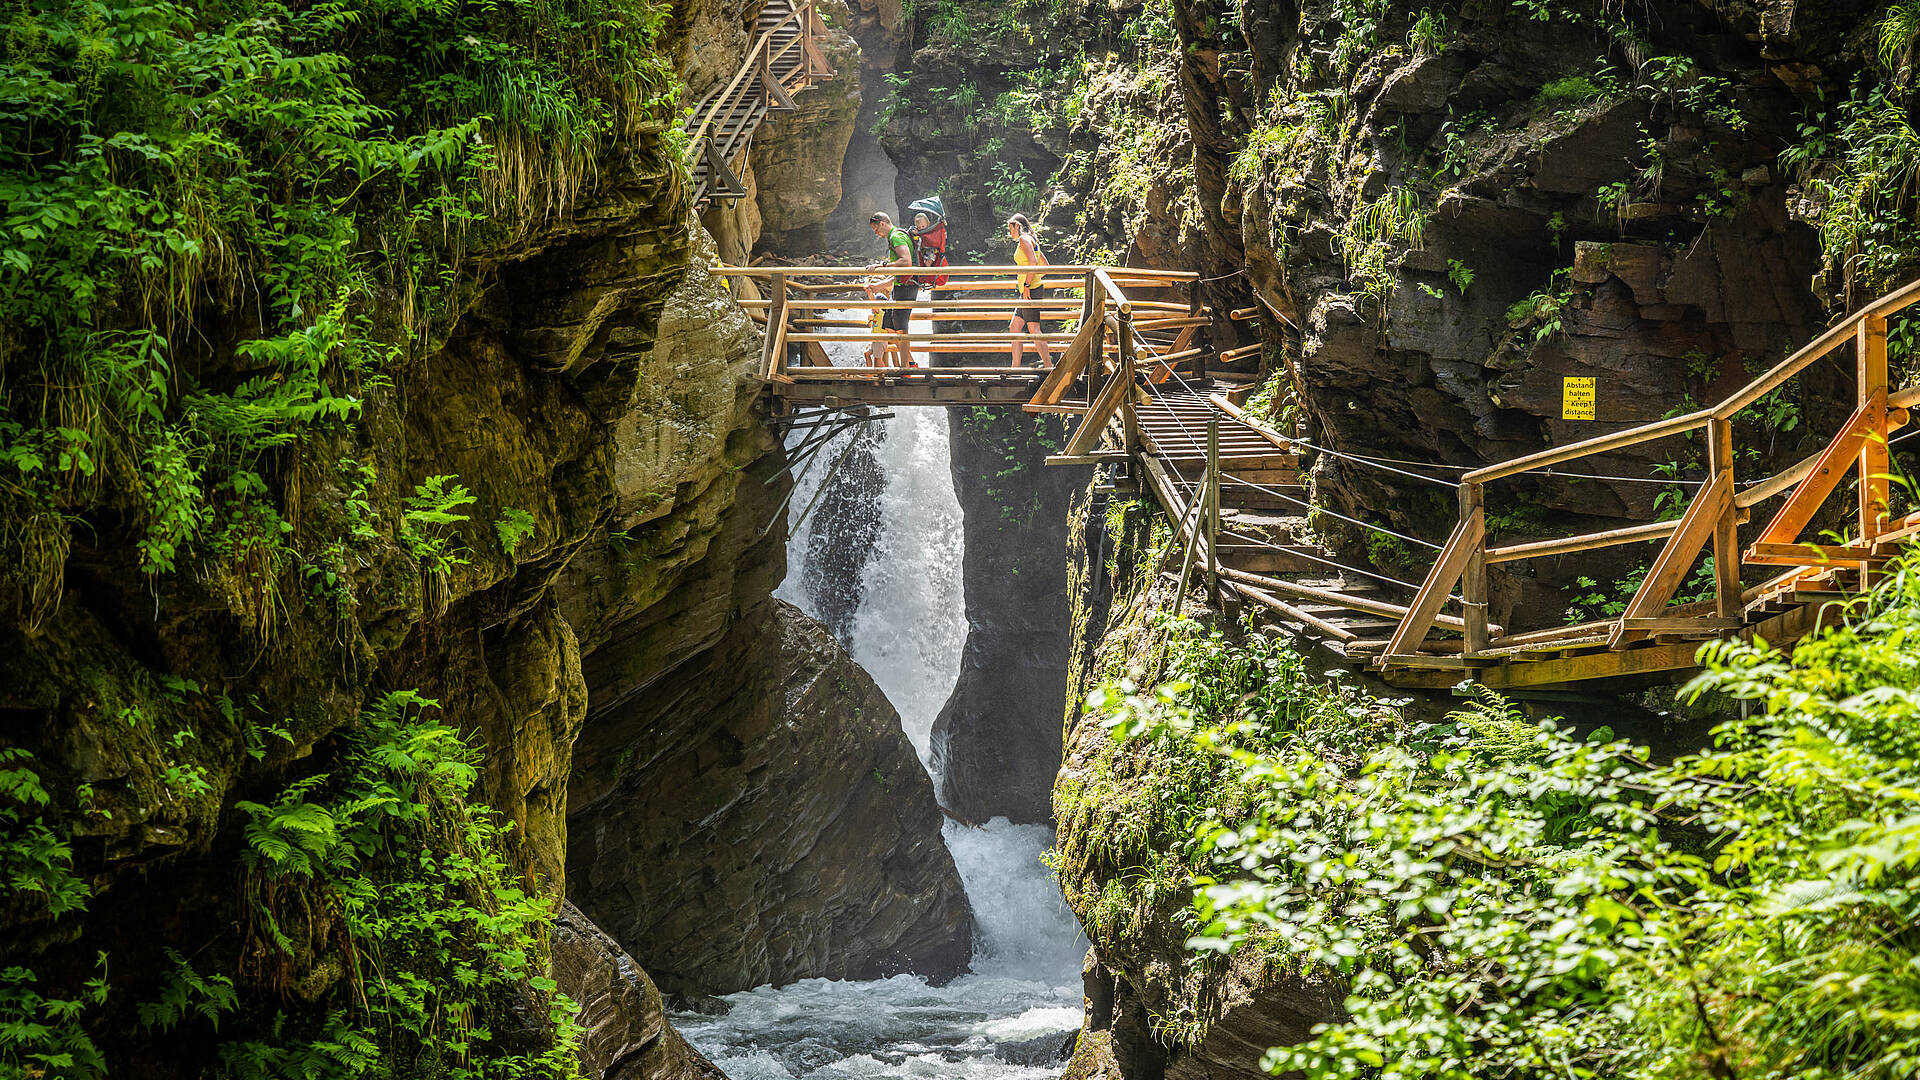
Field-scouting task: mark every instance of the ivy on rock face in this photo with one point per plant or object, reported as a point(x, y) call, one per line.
point(380, 932)
point(228, 231)
point(1499, 898)
point(223, 225)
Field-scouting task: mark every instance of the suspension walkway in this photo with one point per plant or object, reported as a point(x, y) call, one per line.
point(783, 60)
point(1133, 367)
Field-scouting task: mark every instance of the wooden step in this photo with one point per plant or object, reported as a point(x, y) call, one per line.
point(1238, 495)
point(1261, 559)
point(1235, 462)
point(1287, 480)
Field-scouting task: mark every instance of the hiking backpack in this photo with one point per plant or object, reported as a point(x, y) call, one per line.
point(930, 246)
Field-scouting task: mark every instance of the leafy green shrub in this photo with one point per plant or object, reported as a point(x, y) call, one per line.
point(1859, 158)
point(1430, 34)
point(222, 224)
point(1570, 90)
point(1460, 274)
point(1895, 34)
point(40, 1035)
point(1012, 188)
point(381, 890)
point(1496, 897)
point(1374, 236)
point(425, 532)
point(1152, 30)
point(1541, 310)
point(513, 527)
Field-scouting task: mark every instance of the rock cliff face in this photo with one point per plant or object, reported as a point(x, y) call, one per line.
point(997, 740)
point(1445, 217)
point(142, 696)
point(626, 1034)
point(1498, 202)
point(796, 837)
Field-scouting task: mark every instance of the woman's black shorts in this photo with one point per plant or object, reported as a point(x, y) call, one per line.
point(1031, 316)
point(905, 291)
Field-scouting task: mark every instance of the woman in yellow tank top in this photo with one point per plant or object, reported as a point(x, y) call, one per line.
point(1026, 320)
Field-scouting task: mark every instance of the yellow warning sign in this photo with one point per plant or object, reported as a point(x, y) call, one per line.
point(1576, 399)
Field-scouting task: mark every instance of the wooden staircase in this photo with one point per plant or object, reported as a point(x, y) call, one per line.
point(784, 60)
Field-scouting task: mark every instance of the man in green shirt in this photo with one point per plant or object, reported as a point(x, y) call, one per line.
point(906, 289)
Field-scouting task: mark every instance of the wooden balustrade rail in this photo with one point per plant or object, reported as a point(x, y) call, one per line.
point(1103, 322)
point(1712, 515)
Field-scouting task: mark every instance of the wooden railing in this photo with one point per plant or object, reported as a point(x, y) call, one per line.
point(798, 302)
point(1106, 349)
point(722, 126)
point(1712, 515)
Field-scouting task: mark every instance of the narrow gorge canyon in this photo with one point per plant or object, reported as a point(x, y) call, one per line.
point(440, 641)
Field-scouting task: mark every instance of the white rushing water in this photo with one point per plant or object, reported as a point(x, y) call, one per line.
point(1007, 1018)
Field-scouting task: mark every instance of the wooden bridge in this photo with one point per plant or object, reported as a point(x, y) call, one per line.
point(1133, 360)
point(784, 60)
point(958, 356)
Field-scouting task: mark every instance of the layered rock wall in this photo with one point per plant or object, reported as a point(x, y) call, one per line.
point(152, 705)
point(996, 742)
point(625, 1032)
point(1451, 218)
point(759, 817)
point(744, 808)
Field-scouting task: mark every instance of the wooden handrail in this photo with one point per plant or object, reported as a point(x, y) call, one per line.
point(747, 67)
point(1715, 510)
point(1114, 273)
point(1896, 301)
point(1659, 429)
point(1537, 549)
point(1115, 295)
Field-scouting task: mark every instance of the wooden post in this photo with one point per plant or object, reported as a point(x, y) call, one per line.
point(1870, 348)
point(1469, 535)
point(1473, 582)
point(808, 28)
point(1212, 495)
point(1129, 423)
point(1194, 307)
point(1726, 541)
point(772, 363)
point(1193, 538)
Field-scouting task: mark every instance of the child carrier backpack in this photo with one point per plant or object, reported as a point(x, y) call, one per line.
point(930, 244)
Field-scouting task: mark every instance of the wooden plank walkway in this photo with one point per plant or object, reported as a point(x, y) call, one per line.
point(1134, 373)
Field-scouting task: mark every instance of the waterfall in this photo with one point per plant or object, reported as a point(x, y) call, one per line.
point(1008, 1018)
